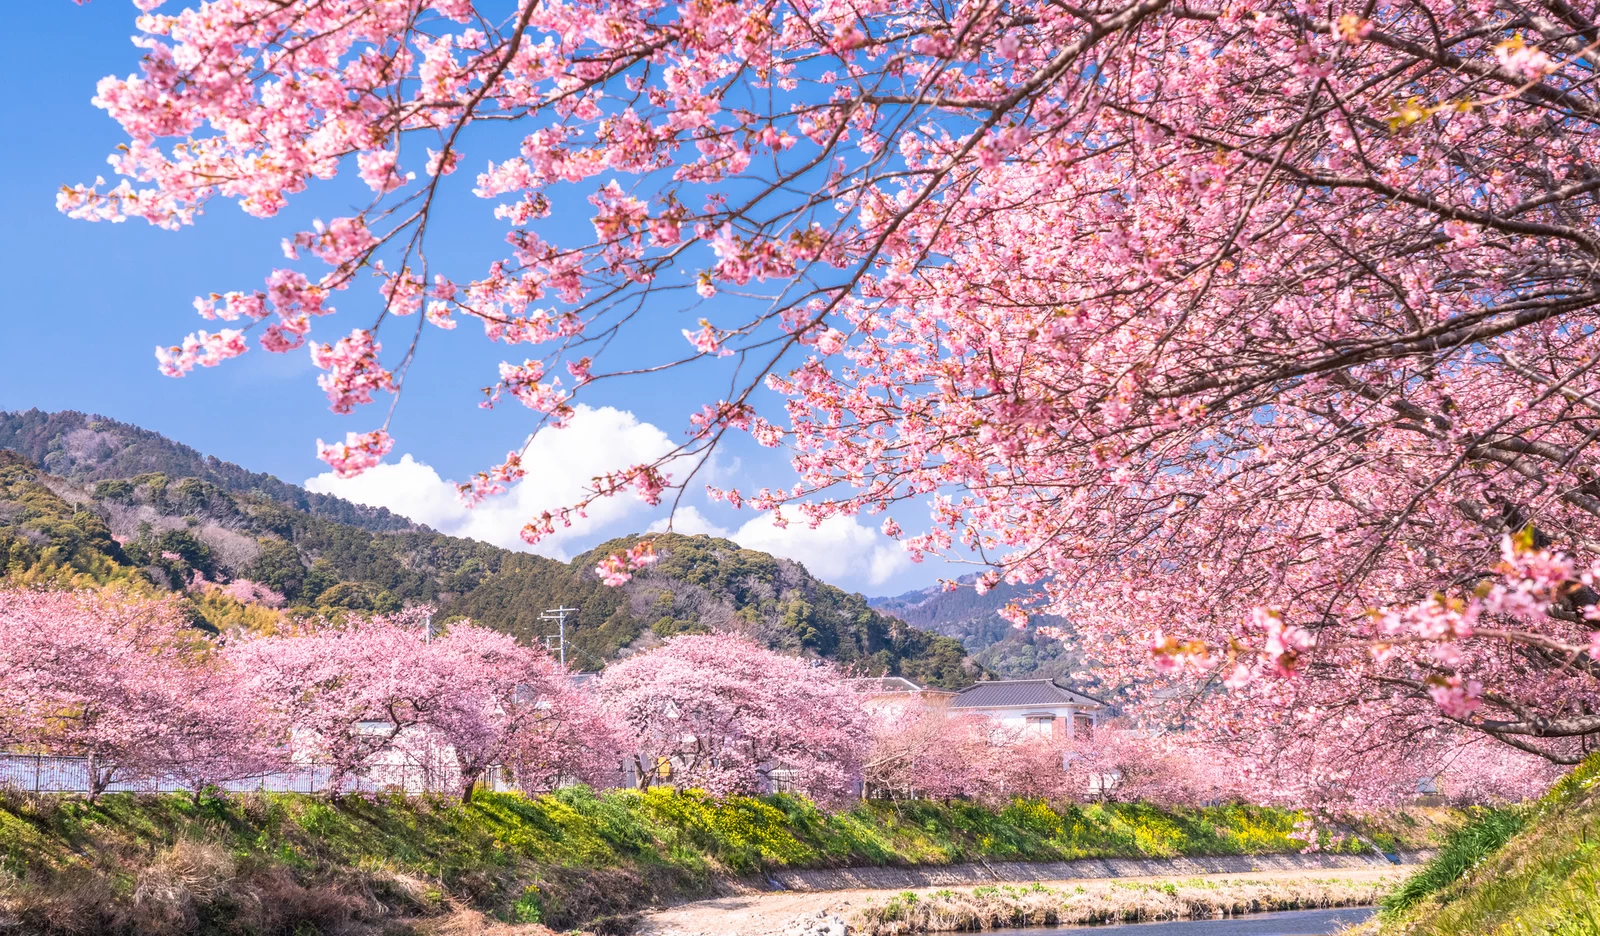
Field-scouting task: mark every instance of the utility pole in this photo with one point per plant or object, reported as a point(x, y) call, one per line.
point(558, 615)
point(427, 627)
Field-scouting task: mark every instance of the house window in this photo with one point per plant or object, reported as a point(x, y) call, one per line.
point(1083, 726)
point(1041, 724)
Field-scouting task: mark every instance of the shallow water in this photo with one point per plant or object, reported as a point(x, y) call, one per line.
point(1283, 923)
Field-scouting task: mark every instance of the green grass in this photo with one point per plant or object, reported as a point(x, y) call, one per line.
point(568, 857)
point(1466, 847)
point(1542, 878)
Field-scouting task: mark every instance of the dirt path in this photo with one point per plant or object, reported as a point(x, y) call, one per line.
point(770, 914)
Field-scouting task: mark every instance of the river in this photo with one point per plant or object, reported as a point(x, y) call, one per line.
point(1284, 923)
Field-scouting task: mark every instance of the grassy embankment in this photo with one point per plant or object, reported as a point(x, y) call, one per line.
point(293, 864)
point(1526, 870)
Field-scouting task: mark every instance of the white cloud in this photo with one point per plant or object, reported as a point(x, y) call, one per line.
point(560, 463)
point(839, 550)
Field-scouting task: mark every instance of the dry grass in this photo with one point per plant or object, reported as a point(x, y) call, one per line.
point(196, 886)
point(169, 894)
point(464, 921)
point(1003, 906)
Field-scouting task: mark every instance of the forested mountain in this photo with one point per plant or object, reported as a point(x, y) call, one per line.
point(991, 640)
point(84, 448)
point(702, 583)
point(125, 503)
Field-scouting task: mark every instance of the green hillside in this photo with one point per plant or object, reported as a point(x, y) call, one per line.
point(701, 584)
point(157, 526)
point(85, 448)
point(1527, 870)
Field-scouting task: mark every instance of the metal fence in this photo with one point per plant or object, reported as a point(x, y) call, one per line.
point(49, 773)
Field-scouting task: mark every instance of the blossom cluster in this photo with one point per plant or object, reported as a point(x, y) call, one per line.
point(1238, 320)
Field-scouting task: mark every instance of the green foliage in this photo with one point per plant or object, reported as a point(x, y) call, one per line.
point(86, 449)
point(672, 627)
point(358, 596)
point(528, 908)
point(277, 565)
point(1465, 849)
point(1532, 871)
point(114, 490)
point(177, 554)
point(774, 600)
point(43, 536)
point(994, 644)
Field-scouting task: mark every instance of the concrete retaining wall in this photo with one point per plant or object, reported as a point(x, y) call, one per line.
point(1028, 871)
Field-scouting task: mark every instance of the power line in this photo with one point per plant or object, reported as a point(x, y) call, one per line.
point(560, 616)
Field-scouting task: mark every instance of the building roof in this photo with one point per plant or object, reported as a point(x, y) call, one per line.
point(1019, 692)
point(876, 684)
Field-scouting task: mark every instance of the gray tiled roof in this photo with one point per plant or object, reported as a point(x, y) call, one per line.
point(1019, 692)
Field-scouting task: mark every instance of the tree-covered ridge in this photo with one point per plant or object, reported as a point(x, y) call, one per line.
point(162, 531)
point(704, 583)
point(974, 620)
point(85, 448)
point(40, 529)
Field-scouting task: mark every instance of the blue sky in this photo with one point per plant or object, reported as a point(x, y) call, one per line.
point(88, 303)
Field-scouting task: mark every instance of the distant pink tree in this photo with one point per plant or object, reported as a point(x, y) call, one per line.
point(93, 674)
point(728, 716)
point(215, 730)
point(344, 694)
point(500, 703)
point(366, 692)
point(246, 591)
point(1474, 771)
point(927, 752)
point(1031, 766)
point(919, 752)
point(1332, 764)
point(1123, 762)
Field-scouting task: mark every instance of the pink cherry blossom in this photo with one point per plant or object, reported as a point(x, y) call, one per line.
point(202, 348)
point(1178, 315)
point(357, 453)
point(727, 716)
point(353, 371)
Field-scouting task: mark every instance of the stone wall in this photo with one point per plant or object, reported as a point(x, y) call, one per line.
point(988, 872)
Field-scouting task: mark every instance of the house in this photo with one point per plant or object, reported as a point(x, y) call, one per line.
point(887, 694)
point(1038, 705)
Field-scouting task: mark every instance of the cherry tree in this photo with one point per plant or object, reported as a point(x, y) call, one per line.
point(925, 752)
point(213, 730)
point(506, 704)
point(345, 696)
point(94, 675)
point(722, 714)
point(1124, 762)
point(1365, 757)
point(1261, 321)
point(916, 751)
point(361, 696)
